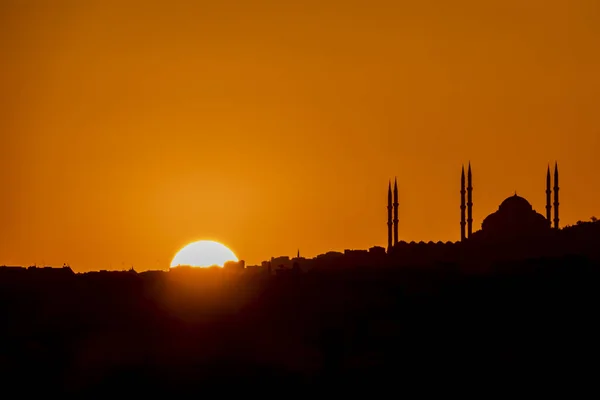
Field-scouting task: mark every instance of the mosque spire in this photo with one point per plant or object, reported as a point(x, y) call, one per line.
point(548, 198)
point(389, 216)
point(462, 204)
point(556, 195)
point(395, 212)
point(469, 202)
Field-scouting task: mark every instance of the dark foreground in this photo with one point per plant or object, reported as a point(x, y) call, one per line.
point(531, 326)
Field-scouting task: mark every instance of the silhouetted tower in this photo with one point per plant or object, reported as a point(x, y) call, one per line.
point(548, 198)
point(395, 212)
point(389, 218)
point(462, 204)
point(469, 202)
point(555, 195)
point(298, 256)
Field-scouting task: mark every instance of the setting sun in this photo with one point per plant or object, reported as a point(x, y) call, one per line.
point(204, 253)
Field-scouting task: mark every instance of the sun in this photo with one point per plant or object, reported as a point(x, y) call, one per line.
point(204, 253)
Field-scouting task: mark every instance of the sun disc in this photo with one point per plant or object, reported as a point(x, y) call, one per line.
point(203, 253)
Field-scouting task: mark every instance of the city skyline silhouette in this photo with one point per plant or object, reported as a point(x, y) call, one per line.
point(514, 208)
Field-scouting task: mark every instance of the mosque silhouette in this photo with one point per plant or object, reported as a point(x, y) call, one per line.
point(515, 218)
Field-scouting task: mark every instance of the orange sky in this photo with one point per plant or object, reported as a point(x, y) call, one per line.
point(127, 131)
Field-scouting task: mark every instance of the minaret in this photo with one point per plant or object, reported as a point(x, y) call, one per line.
point(548, 198)
point(395, 212)
point(462, 204)
point(469, 202)
point(555, 195)
point(389, 219)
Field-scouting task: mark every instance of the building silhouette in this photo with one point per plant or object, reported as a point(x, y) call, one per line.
point(393, 222)
point(514, 218)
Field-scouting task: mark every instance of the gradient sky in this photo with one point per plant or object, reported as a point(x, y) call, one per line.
point(130, 128)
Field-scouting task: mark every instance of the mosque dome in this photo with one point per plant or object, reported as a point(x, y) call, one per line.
point(516, 204)
point(514, 217)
